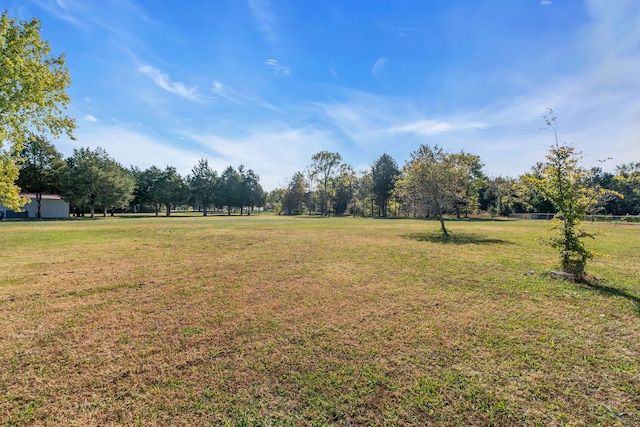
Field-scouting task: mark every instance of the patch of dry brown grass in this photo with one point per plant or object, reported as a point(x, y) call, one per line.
point(309, 321)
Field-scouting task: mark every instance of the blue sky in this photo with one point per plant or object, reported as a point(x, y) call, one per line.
point(268, 83)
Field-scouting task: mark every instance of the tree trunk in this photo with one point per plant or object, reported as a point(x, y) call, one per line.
point(168, 209)
point(372, 207)
point(39, 203)
point(442, 227)
point(438, 214)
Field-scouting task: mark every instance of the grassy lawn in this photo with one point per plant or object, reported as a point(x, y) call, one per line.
point(269, 320)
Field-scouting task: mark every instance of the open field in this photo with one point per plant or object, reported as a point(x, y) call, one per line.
point(268, 320)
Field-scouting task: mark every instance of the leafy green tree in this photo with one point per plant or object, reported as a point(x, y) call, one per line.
point(78, 180)
point(294, 195)
point(596, 179)
point(432, 182)
point(626, 181)
point(311, 199)
point(144, 194)
point(363, 194)
point(342, 189)
point(115, 188)
point(250, 193)
point(137, 202)
point(384, 172)
point(203, 182)
point(274, 200)
point(470, 179)
point(91, 178)
point(170, 189)
point(496, 197)
point(324, 168)
point(32, 96)
point(562, 182)
point(529, 196)
point(230, 183)
point(40, 169)
point(75, 181)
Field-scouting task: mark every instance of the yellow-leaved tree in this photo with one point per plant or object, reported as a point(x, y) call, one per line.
point(563, 181)
point(32, 98)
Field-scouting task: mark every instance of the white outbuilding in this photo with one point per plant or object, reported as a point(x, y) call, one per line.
point(52, 207)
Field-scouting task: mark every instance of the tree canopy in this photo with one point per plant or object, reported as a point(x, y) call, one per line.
point(170, 189)
point(91, 178)
point(203, 182)
point(294, 194)
point(562, 181)
point(32, 97)
point(384, 173)
point(40, 168)
point(230, 183)
point(434, 180)
point(325, 167)
point(250, 190)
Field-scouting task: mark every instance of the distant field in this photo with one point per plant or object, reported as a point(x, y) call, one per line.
point(268, 320)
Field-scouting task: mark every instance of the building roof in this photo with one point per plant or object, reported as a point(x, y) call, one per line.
point(44, 196)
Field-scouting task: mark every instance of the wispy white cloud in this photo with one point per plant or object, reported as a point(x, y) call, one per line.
point(434, 127)
point(378, 68)
point(265, 18)
point(545, 2)
point(277, 68)
point(177, 88)
point(379, 124)
point(131, 145)
point(365, 118)
point(90, 118)
point(361, 117)
point(65, 10)
point(272, 150)
point(225, 92)
point(236, 97)
point(120, 18)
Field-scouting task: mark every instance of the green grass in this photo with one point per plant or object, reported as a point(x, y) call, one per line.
point(268, 320)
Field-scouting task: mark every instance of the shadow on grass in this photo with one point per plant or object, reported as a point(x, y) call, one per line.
point(456, 238)
point(611, 291)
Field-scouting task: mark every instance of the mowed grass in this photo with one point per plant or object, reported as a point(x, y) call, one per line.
point(269, 320)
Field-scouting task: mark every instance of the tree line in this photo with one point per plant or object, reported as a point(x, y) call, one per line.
point(433, 183)
point(91, 180)
point(436, 183)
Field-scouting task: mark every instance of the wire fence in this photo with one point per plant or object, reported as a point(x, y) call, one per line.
point(590, 218)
